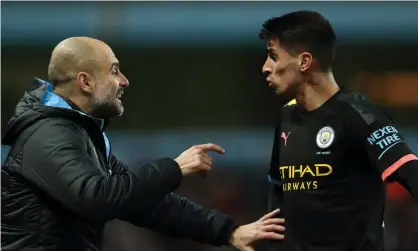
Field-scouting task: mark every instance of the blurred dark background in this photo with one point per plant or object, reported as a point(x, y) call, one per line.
point(195, 74)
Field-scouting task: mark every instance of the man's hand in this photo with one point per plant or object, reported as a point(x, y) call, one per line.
point(265, 228)
point(195, 159)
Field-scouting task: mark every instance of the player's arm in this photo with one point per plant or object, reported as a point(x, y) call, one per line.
point(384, 144)
point(57, 162)
point(407, 176)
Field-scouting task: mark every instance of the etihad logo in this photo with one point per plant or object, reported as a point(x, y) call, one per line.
point(316, 170)
point(299, 186)
point(292, 175)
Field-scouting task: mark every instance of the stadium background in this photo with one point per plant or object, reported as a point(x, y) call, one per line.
point(195, 74)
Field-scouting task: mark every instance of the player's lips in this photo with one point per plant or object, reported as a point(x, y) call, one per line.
point(270, 83)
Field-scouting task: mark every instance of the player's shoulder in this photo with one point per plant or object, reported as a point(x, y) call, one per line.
point(354, 99)
point(359, 105)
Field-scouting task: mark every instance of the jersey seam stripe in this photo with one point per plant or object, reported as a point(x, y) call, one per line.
point(399, 163)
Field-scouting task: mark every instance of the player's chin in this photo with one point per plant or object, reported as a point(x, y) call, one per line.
point(284, 93)
point(275, 87)
point(280, 90)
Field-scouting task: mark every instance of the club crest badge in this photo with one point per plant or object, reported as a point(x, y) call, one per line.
point(325, 137)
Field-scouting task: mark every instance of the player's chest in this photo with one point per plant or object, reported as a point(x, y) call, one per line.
point(309, 140)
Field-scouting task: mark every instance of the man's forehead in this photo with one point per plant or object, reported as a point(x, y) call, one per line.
point(113, 59)
point(109, 60)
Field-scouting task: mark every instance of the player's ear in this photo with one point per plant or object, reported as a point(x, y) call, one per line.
point(305, 61)
point(85, 82)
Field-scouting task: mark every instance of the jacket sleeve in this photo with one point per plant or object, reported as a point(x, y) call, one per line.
point(118, 167)
point(179, 217)
point(56, 161)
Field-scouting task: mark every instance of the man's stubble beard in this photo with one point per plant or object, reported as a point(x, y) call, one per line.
point(106, 107)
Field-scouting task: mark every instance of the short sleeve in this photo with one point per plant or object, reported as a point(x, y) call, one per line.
point(379, 137)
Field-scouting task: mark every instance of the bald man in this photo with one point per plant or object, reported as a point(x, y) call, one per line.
point(61, 183)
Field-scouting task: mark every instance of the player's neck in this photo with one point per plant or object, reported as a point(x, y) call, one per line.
point(315, 93)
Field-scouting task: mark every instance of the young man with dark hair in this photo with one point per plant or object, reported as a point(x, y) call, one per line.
point(333, 149)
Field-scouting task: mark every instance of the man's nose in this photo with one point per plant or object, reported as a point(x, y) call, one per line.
point(124, 82)
point(266, 69)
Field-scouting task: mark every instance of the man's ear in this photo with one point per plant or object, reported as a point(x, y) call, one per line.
point(305, 61)
point(85, 82)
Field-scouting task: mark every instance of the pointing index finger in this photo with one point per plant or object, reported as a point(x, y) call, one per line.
point(212, 147)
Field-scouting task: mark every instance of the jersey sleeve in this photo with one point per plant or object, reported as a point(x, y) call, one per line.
point(376, 132)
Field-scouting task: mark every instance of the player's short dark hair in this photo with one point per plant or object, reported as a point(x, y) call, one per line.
point(303, 31)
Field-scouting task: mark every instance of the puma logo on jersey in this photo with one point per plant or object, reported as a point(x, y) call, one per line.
point(284, 136)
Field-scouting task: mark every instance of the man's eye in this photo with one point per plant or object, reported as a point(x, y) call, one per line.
point(272, 56)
